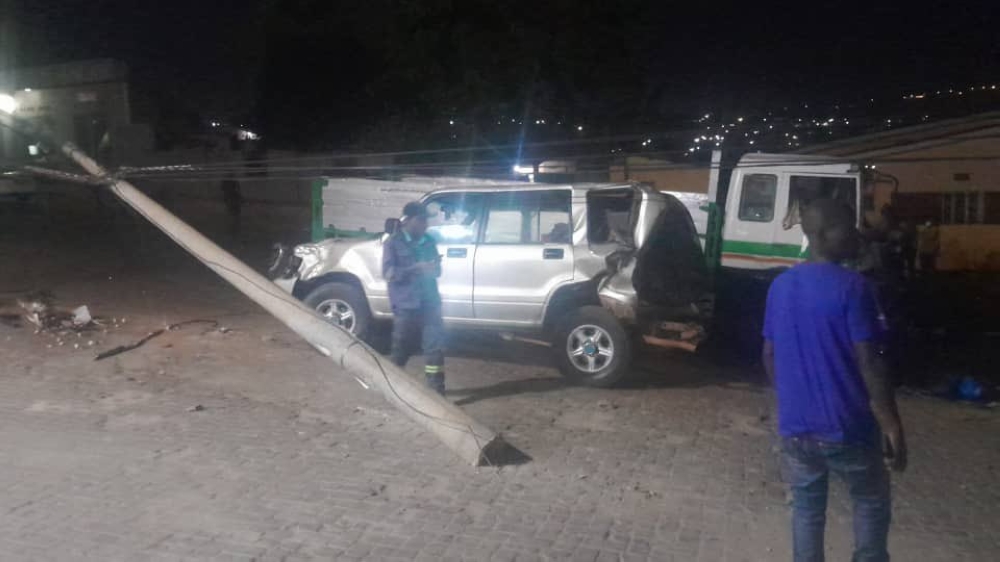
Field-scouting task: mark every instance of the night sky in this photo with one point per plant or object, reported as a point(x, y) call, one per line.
point(332, 73)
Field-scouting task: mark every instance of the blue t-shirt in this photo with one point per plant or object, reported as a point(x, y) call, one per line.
point(816, 312)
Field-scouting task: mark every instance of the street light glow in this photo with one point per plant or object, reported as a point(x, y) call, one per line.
point(8, 104)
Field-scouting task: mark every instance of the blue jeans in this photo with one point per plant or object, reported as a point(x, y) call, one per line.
point(808, 463)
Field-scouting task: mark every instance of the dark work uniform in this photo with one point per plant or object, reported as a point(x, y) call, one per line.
point(416, 303)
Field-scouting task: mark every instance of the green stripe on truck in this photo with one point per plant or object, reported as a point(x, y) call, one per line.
point(762, 249)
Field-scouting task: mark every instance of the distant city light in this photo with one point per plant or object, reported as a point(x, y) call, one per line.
point(740, 119)
point(451, 121)
point(579, 127)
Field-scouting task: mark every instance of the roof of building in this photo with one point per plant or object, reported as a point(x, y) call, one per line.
point(902, 139)
point(92, 71)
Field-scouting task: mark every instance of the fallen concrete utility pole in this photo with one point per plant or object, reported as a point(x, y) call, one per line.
point(465, 436)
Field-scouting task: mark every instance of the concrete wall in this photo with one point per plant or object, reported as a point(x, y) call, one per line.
point(662, 175)
point(970, 247)
point(257, 185)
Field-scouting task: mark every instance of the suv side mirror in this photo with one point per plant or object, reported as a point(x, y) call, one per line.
point(391, 226)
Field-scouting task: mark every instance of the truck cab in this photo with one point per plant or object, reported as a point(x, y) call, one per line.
point(754, 232)
point(762, 228)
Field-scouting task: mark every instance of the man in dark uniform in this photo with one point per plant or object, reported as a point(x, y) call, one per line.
point(411, 265)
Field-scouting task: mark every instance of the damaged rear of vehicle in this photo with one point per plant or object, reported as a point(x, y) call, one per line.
point(589, 270)
point(646, 281)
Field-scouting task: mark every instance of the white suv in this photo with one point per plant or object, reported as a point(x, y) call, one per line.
point(586, 269)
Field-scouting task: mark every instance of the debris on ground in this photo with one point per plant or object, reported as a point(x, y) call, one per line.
point(969, 389)
point(196, 408)
point(41, 311)
point(965, 389)
point(142, 341)
point(81, 316)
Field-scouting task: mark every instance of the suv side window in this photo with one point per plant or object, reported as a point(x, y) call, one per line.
point(529, 217)
point(453, 218)
point(757, 198)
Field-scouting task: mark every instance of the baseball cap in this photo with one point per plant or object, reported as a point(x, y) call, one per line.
point(414, 210)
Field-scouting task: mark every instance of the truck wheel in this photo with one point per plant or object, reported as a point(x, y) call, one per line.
point(342, 305)
point(592, 347)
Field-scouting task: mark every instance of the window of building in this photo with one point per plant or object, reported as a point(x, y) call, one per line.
point(529, 217)
point(962, 207)
point(453, 218)
point(757, 198)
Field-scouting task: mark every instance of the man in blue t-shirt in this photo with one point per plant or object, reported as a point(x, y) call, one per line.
point(835, 403)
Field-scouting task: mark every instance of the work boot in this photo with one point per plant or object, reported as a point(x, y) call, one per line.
point(435, 379)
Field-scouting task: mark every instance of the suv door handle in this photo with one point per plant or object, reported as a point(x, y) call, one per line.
point(458, 252)
point(552, 254)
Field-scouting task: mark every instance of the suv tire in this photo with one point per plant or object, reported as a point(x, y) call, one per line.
point(592, 348)
point(341, 304)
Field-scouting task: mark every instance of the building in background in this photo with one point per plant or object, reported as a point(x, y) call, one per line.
point(662, 175)
point(948, 171)
point(84, 101)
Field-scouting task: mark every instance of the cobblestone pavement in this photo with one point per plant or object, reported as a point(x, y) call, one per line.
point(246, 445)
